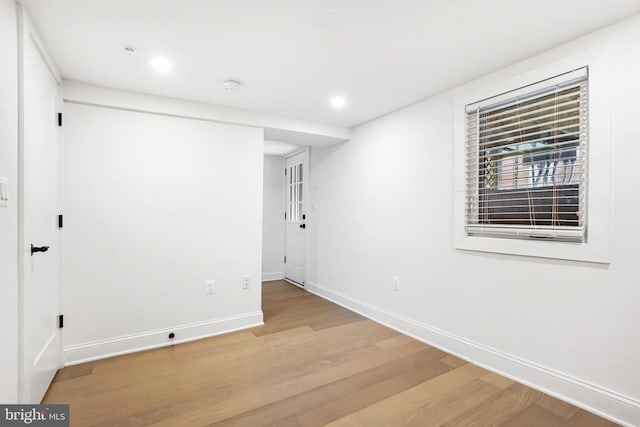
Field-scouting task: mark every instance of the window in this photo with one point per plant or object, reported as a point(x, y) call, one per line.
point(526, 161)
point(295, 193)
point(556, 226)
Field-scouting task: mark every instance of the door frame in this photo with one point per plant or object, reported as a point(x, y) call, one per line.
point(28, 34)
point(285, 197)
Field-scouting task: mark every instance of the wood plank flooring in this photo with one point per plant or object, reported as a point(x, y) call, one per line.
point(313, 363)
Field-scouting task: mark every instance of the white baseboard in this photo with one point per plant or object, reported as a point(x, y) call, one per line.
point(272, 275)
point(605, 403)
point(86, 352)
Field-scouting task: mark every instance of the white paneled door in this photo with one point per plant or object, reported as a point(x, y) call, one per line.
point(295, 181)
point(41, 349)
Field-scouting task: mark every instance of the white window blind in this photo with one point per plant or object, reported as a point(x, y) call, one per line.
point(526, 161)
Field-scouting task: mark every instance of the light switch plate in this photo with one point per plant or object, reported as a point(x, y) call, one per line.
point(4, 192)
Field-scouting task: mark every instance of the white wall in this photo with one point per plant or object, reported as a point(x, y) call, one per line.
point(284, 129)
point(154, 206)
point(9, 215)
point(385, 208)
point(273, 220)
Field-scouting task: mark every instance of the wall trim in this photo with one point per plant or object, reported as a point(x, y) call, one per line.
point(608, 404)
point(272, 275)
point(102, 349)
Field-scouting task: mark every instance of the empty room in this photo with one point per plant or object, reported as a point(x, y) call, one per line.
point(319, 212)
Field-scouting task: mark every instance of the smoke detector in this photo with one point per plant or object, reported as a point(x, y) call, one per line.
point(330, 18)
point(231, 85)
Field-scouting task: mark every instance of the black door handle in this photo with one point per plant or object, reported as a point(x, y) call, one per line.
point(35, 249)
point(303, 225)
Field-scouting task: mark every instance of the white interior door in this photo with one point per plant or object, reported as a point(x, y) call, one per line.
point(41, 349)
point(295, 268)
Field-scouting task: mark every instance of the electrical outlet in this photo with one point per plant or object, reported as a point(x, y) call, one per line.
point(209, 287)
point(396, 283)
point(245, 282)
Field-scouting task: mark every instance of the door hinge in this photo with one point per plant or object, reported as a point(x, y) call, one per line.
point(59, 119)
point(285, 215)
point(61, 321)
point(60, 221)
point(285, 259)
point(285, 171)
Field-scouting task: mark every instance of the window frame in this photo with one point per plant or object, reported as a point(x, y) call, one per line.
point(597, 247)
point(577, 233)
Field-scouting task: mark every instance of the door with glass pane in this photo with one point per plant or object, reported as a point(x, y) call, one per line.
point(295, 176)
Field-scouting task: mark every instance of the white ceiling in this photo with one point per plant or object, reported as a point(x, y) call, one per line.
point(381, 54)
point(278, 148)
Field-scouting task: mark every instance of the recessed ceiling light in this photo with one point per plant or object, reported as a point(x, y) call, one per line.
point(338, 101)
point(161, 65)
point(231, 85)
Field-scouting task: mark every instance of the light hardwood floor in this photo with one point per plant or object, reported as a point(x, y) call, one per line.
point(313, 363)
